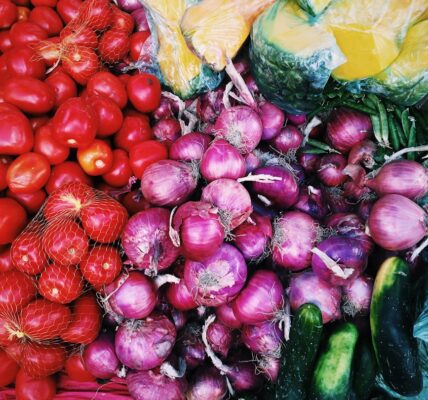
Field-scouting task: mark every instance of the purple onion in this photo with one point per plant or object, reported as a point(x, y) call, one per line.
point(179, 318)
point(164, 110)
point(167, 129)
point(219, 338)
point(296, 119)
point(207, 384)
point(269, 367)
point(226, 316)
point(243, 376)
point(265, 338)
point(357, 296)
point(311, 201)
point(330, 170)
point(362, 153)
point(289, 138)
point(251, 84)
point(178, 295)
point(129, 5)
point(336, 200)
point(272, 120)
point(252, 162)
point(210, 105)
point(189, 147)
point(309, 162)
point(364, 209)
point(190, 346)
point(140, 19)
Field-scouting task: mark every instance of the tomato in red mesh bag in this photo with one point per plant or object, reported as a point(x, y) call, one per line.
point(96, 14)
point(114, 46)
point(27, 253)
point(16, 291)
point(40, 360)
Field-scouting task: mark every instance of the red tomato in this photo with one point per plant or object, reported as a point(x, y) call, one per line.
point(16, 291)
point(104, 220)
point(65, 242)
point(16, 135)
point(5, 261)
point(80, 63)
point(23, 61)
point(29, 388)
point(101, 266)
point(64, 173)
point(23, 14)
point(107, 84)
point(113, 46)
point(30, 95)
point(85, 322)
point(8, 369)
point(136, 44)
point(134, 202)
point(121, 171)
point(135, 129)
point(43, 320)
point(27, 253)
point(68, 9)
point(21, 2)
point(12, 220)
point(144, 92)
point(45, 144)
point(41, 360)
point(8, 14)
point(121, 21)
point(96, 159)
point(96, 14)
point(75, 123)
point(26, 32)
point(37, 122)
point(28, 173)
point(4, 165)
point(109, 114)
point(76, 370)
point(32, 202)
point(5, 42)
point(64, 87)
point(47, 19)
point(44, 3)
point(146, 153)
point(75, 34)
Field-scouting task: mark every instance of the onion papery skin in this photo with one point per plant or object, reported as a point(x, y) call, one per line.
point(222, 160)
point(168, 183)
point(189, 147)
point(264, 338)
point(288, 138)
point(260, 300)
point(281, 193)
point(307, 287)
point(330, 171)
point(295, 234)
point(146, 240)
point(100, 357)
point(362, 153)
point(347, 128)
point(145, 344)
point(272, 119)
point(227, 317)
point(220, 338)
point(357, 296)
point(404, 177)
point(207, 384)
point(132, 295)
point(311, 201)
point(396, 222)
point(210, 105)
point(217, 279)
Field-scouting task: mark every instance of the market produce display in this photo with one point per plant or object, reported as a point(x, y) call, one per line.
point(206, 200)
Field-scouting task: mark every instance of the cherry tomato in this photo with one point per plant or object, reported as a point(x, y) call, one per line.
point(64, 173)
point(80, 63)
point(146, 153)
point(16, 291)
point(16, 135)
point(5, 261)
point(96, 159)
point(47, 19)
point(75, 123)
point(68, 9)
point(109, 114)
point(64, 87)
point(104, 220)
point(27, 253)
point(113, 46)
point(107, 84)
point(32, 202)
point(8, 369)
point(28, 173)
point(74, 34)
point(45, 144)
point(135, 129)
point(12, 220)
point(23, 61)
point(134, 202)
point(85, 322)
point(43, 320)
point(5, 42)
point(30, 95)
point(37, 122)
point(76, 370)
point(8, 14)
point(136, 44)
point(101, 266)
point(41, 360)
point(26, 32)
point(144, 92)
point(96, 14)
point(120, 171)
point(23, 14)
point(29, 388)
point(65, 242)
point(121, 21)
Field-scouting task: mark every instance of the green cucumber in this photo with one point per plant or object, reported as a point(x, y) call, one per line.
point(365, 369)
point(332, 375)
point(391, 321)
point(299, 355)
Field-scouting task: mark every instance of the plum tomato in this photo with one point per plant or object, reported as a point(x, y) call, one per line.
point(27, 253)
point(16, 135)
point(113, 46)
point(29, 388)
point(64, 173)
point(109, 114)
point(32, 202)
point(109, 85)
point(135, 129)
point(8, 15)
point(5, 42)
point(76, 370)
point(26, 33)
point(16, 291)
point(96, 14)
point(121, 21)
point(37, 122)
point(95, 159)
point(68, 9)
point(13, 219)
point(23, 61)
point(8, 369)
point(136, 44)
point(146, 153)
point(80, 63)
point(41, 360)
point(63, 85)
point(78, 35)
point(47, 19)
point(46, 145)
point(144, 92)
point(5, 260)
point(120, 171)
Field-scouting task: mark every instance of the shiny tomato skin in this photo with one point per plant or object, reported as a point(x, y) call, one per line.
point(144, 92)
point(42, 360)
point(11, 299)
point(109, 114)
point(44, 3)
point(26, 33)
point(8, 14)
point(68, 9)
point(23, 61)
point(96, 14)
point(64, 173)
point(32, 202)
point(95, 159)
point(5, 261)
point(28, 173)
point(109, 85)
point(3, 171)
point(101, 266)
point(29, 388)
point(135, 129)
point(16, 135)
point(80, 63)
point(12, 219)
point(134, 202)
point(136, 44)
point(37, 122)
point(65, 242)
point(27, 253)
point(45, 144)
point(120, 171)
point(146, 153)
point(23, 14)
point(64, 86)
point(122, 21)
point(8, 369)
point(47, 19)
point(113, 46)
point(5, 42)
point(76, 370)
point(74, 34)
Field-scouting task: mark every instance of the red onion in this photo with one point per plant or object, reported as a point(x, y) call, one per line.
point(363, 153)
point(396, 222)
point(330, 170)
point(168, 182)
point(168, 129)
point(264, 339)
point(164, 110)
point(140, 19)
point(207, 384)
point(252, 162)
point(295, 234)
point(227, 317)
point(288, 139)
point(296, 119)
point(210, 105)
point(190, 346)
point(336, 200)
point(189, 147)
point(282, 193)
point(146, 241)
point(129, 5)
point(152, 385)
point(240, 126)
point(269, 367)
point(199, 227)
point(346, 128)
point(219, 338)
point(272, 120)
point(145, 344)
point(251, 84)
point(232, 200)
point(357, 296)
point(216, 279)
point(242, 376)
point(252, 237)
point(100, 358)
point(311, 201)
point(222, 160)
point(179, 318)
point(261, 298)
point(307, 287)
point(178, 295)
point(309, 162)
point(364, 209)
point(405, 177)
point(132, 295)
